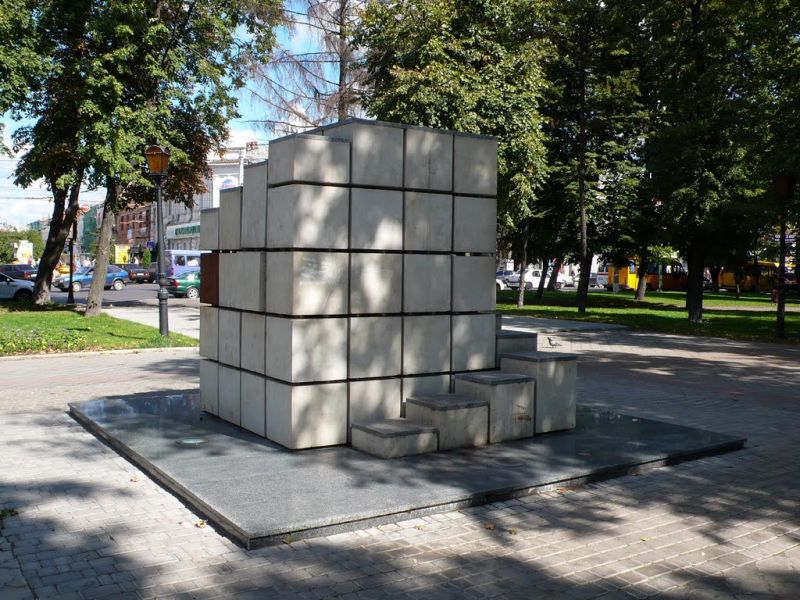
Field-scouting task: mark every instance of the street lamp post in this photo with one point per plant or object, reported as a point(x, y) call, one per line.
point(158, 163)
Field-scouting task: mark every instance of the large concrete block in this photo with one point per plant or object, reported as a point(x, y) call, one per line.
point(306, 350)
point(309, 159)
point(393, 438)
point(209, 386)
point(428, 222)
point(474, 224)
point(426, 286)
point(307, 283)
point(307, 216)
point(254, 403)
point(230, 322)
point(426, 344)
point(473, 342)
point(374, 400)
point(254, 206)
point(376, 220)
point(230, 218)
point(242, 280)
point(555, 376)
point(375, 346)
point(473, 283)
point(307, 416)
point(209, 331)
point(253, 345)
point(429, 160)
point(475, 165)
point(461, 421)
point(510, 398)
point(377, 151)
point(230, 395)
point(209, 229)
point(375, 283)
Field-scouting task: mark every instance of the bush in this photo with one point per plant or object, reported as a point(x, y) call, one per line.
point(20, 341)
point(147, 258)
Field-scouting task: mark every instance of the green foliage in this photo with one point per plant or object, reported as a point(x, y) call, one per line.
point(9, 237)
point(38, 340)
point(147, 257)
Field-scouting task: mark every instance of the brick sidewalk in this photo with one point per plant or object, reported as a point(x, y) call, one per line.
point(91, 526)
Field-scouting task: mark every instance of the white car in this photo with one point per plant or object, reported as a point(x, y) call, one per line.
point(15, 289)
point(532, 277)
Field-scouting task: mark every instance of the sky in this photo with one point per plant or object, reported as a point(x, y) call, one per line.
point(19, 206)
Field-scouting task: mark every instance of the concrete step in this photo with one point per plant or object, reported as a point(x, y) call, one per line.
point(393, 438)
point(514, 341)
point(461, 421)
point(511, 401)
point(555, 374)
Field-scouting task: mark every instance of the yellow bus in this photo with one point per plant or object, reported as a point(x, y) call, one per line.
point(755, 277)
point(673, 276)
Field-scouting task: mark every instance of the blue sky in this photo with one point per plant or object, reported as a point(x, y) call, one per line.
point(19, 206)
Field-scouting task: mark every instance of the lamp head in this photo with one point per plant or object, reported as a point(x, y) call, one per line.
point(157, 160)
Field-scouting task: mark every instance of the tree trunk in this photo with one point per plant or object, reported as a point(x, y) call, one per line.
point(694, 292)
point(641, 286)
point(94, 302)
point(714, 271)
point(551, 285)
point(542, 280)
point(522, 268)
point(343, 99)
point(583, 283)
point(60, 227)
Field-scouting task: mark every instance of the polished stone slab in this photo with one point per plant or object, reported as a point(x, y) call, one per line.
point(259, 493)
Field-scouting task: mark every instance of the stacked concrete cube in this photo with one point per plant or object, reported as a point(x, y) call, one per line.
point(356, 268)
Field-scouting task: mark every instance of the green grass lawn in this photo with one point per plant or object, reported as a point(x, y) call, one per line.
point(30, 329)
point(663, 312)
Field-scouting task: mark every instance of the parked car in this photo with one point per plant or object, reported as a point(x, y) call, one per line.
point(500, 284)
point(187, 285)
point(138, 273)
point(116, 278)
point(15, 289)
point(19, 271)
point(532, 277)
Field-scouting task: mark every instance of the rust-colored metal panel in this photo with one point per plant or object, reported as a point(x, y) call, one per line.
point(209, 282)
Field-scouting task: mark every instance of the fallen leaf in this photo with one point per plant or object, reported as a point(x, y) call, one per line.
point(561, 490)
point(511, 531)
point(134, 478)
point(200, 524)
point(489, 525)
point(287, 539)
point(643, 538)
point(421, 527)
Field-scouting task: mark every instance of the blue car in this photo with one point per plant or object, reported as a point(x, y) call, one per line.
point(116, 278)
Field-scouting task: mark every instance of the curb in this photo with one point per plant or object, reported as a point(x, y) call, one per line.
point(195, 349)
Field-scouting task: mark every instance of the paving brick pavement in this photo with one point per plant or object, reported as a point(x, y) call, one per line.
point(91, 526)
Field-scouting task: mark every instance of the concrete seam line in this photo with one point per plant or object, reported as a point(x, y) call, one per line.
point(193, 349)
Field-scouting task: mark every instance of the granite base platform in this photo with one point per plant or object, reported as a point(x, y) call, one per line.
point(259, 493)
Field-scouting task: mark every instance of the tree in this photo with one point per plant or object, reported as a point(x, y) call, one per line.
point(470, 66)
point(322, 82)
point(9, 237)
point(121, 74)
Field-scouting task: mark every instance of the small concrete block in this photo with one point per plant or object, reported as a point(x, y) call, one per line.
point(514, 341)
point(242, 280)
point(393, 438)
point(510, 398)
point(474, 224)
point(428, 222)
point(474, 286)
point(429, 159)
point(308, 216)
point(473, 342)
point(306, 350)
point(254, 206)
point(376, 220)
point(426, 344)
point(253, 342)
point(462, 422)
point(374, 400)
point(309, 159)
point(254, 403)
point(426, 283)
point(307, 416)
point(475, 165)
point(230, 395)
point(230, 322)
point(209, 229)
point(230, 218)
point(307, 283)
point(375, 283)
point(375, 346)
point(209, 386)
point(209, 331)
point(555, 376)
point(377, 153)
point(424, 385)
